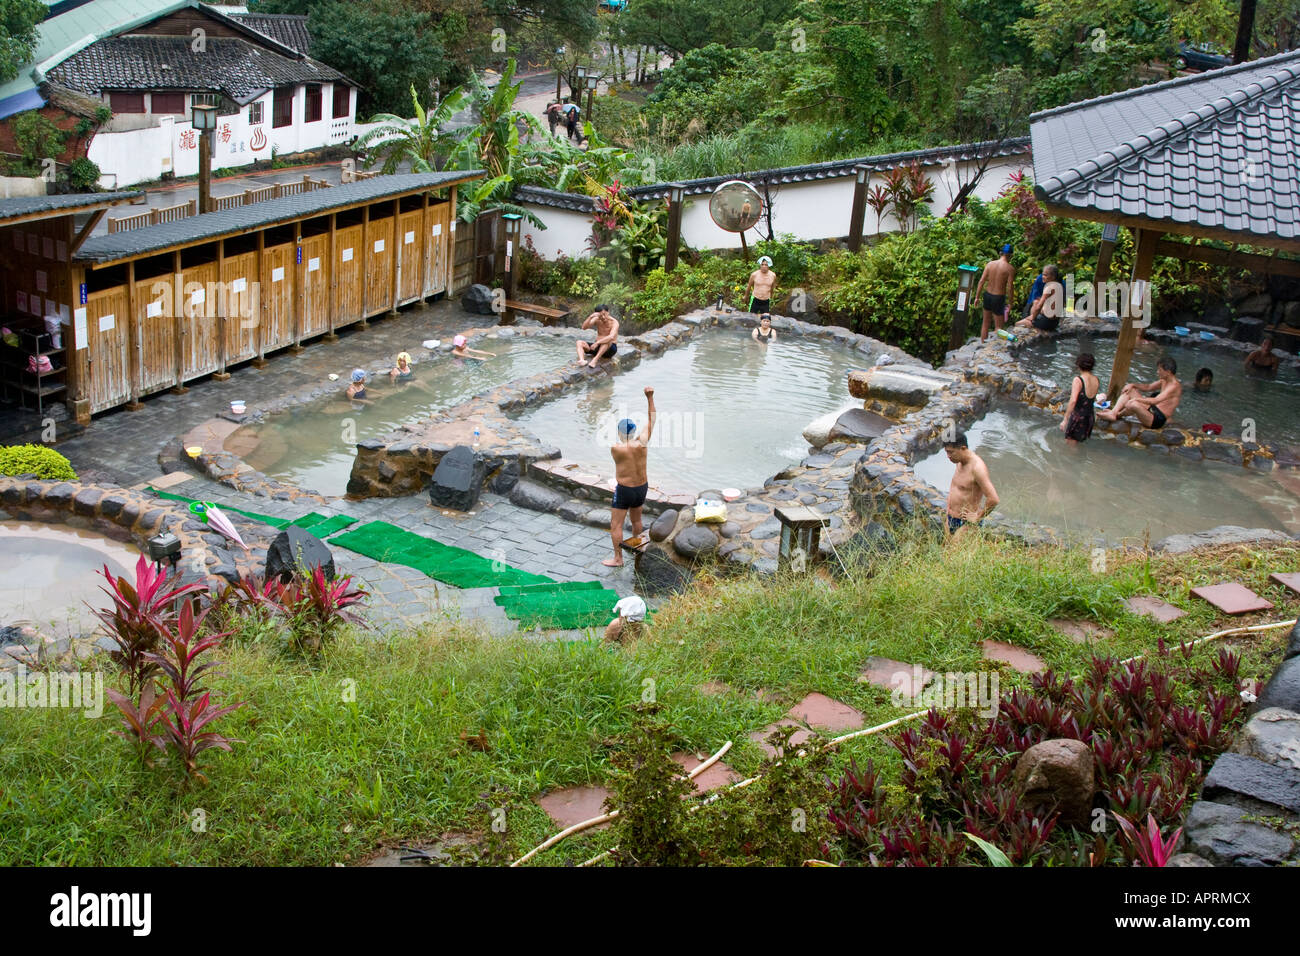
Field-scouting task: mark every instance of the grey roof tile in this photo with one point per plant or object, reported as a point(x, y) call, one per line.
point(287, 28)
point(212, 225)
point(20, 206)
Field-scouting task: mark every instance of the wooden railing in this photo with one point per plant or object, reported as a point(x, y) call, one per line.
point(153, 217)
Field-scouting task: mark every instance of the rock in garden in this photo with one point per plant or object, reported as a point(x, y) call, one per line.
point(695, 541)
point(818, 431)
point(910, 385)
point(1272, 735)
point(295, 548)
point(1058, 775)
point(458, 479)
point(656, 573)
point(477, 300)
point(529, 494)
point(663, 525)
point(505, 479)
point(1224, 835)
point(1283, 689)
point(859, 425)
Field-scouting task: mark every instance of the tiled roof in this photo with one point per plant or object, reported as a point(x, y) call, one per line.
point(228, 222)
point(287, 28)
point(834, 169)
point(238, 68)
point(20, 207)
point(1220, 151)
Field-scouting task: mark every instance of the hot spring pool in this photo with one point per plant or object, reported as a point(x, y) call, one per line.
point(313, 445)
point(1104, 487)
point(731, 411)
point(1273, 402)
point(48, 573)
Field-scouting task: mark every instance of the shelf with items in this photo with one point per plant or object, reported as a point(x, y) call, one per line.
point(23, 351)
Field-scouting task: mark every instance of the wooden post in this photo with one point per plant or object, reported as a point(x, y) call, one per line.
point(674, 231)
point(450, 257)
point(299, 288)
point(178, 303)
point(332, 276)
point(205, 171)
point(859, 210)
point(398, 236)
point(136, 333)
point(258, 315)
point(426, 246)
point(365, 264)
point(1146, 250)
point(223, 319)
point(1102, 275)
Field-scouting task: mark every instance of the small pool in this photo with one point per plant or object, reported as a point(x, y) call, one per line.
point(731, 411)
point(1273, 402)
point(48, 573)
point(313, 445)
point(1108, 489)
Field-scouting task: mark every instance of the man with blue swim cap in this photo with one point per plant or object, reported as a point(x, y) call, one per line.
point(630, 473)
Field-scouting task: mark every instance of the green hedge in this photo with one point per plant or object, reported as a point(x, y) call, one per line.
point(35, 460)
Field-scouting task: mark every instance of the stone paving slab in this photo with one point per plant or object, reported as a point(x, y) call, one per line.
point(1290, 581)
point(718, 775)
point(826, 713)
point(1232, 598)
point(1019, 658)
point(574, 805)
point(892, 675)
point(1154, 607)
point(1081, 632)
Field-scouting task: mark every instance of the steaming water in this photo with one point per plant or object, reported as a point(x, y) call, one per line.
point(313, 446)
point(1107, 488)
point(731, 411)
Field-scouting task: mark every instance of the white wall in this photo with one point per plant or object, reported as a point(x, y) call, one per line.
point(14, 186)
point(818, 209)
point(172, 145)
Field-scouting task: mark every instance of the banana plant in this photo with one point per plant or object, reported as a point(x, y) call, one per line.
point(422, 141)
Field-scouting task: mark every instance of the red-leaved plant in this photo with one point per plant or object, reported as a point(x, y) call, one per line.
point(139, 612)
point(1149, 846)
point(317, 606)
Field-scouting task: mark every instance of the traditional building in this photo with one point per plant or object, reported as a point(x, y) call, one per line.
point(146, 60)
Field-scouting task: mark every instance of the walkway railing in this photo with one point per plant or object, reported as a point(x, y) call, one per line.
point(253, 194)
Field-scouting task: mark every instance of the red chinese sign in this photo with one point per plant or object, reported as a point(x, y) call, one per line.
point(187, 139)
point(224, 135)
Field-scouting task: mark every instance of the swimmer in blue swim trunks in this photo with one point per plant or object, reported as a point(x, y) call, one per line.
point(971, 496)
point(630, 473)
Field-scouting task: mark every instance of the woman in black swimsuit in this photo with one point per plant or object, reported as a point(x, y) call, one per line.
point(1078, 420)
point(764, 333)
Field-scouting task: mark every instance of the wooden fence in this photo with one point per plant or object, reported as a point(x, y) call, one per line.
point(253, 194)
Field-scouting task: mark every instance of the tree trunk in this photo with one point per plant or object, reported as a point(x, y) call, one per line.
point(1245, 27)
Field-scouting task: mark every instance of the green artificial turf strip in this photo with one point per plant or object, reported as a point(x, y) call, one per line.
point(265, 519)
point(312, 521)
point(456, 566)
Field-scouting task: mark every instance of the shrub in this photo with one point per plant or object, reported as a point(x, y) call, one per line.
point(35, 460)
point(83, 175)
point(309, 606)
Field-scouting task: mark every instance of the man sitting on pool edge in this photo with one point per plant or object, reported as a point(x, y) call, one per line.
point(630, 474)
point(1153, 411)
point(606, 344)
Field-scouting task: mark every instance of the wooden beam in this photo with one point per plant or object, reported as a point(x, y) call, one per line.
point(367, 250)
point(332, 276)
point(1174, 228)
point(450, 257)
point(398, 236)
point(1146, 251)
point(1268, 265)
point(223, 319)
point(178, 301)
point(299, 291)
point(136, 332)
point(259, 311)
point(86, 230)
point(426, 248)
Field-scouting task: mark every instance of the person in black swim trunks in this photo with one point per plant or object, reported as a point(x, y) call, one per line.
point(630, 473)
point(606, 344)
point(996, 284)
point(971, 495)
point(1153, 411)
point(761, 283)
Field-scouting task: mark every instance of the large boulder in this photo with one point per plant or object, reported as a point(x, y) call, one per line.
point(818, 431)
point(859, 425)
point(458, 479)
point(656, 573)
point(663, 525)
point(904, 384)
point(478, 300)
point(1272, 735)
point(695, 541)
point(1215, 537)
point(1058, 775)
point(295, 549)
point(1283, 689)
point(531, 495)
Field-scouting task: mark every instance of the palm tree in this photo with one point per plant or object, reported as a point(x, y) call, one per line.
point(496, 191)
point(488, 144)
point(420, 141)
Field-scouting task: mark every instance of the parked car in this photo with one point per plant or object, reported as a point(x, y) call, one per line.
point(1198, 57)
point(615, 5)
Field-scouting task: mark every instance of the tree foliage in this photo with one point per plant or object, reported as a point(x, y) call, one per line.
point(18, 20)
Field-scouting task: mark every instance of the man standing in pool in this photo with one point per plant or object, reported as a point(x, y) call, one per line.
point(1153, 411)
point(971, 496)
point(606, 344)
point(996, 284)
point(761, 283)
point(630, 473)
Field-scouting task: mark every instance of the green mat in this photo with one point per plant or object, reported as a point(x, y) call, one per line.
point(456, 566)
point(561, 608)
point(312, 521)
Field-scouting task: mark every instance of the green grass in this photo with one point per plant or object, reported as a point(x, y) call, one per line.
point(321, 780)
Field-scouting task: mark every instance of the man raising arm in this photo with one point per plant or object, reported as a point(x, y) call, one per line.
point(630, 473)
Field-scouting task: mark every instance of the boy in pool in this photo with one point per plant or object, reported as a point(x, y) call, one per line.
point(630, 472)
point(971, 496)
point(1204, 380)
point(402, 369)
point(462, 350)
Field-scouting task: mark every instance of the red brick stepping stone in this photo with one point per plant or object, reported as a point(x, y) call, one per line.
point(718, 775)
point(1154, 607)
point(1289, 581)
point(893, 675)
point(825, 713)
point(1019, 658)
point(1232, 598)
point(574, 804)
point(714, 688)
point(1081, 632)
point(759, 736)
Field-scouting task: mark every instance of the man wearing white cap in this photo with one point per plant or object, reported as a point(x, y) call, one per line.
point(761, 282)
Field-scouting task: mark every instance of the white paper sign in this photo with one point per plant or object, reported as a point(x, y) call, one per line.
point(107, 322)
point(63, 251)
point(437, 229)
point(239, 285)
point(313, 264)
point(79, 328)
point(34, 304)
point(453, 225)
point(41, 281)
point(379, 245)
point(48, 247)
point(961, 301)
point(198, 296)
point(510, 248)
point(22, 301)
point(410, 237)
point(63, 314)
point(277, 275)
point(347, 255)
point(153, 309)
